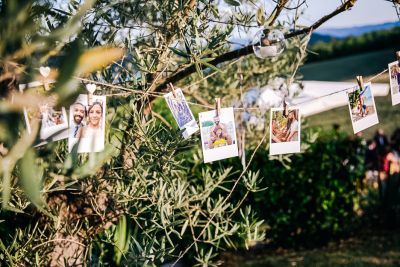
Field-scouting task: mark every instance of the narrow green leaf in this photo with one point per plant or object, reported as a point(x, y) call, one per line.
point(31, 177)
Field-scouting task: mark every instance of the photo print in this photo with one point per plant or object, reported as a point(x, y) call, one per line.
point(53, 122)
point(362, 108)
point(181, 112)
point(394, 75)
point(87, 124)
point(284, 134)
point(218, 135)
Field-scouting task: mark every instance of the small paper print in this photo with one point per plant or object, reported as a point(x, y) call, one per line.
point(181, 112)
point(284, 131)
point(362, 108)
point(87, 124)
point(218, 135)
point(394, 75)
point(53, 122)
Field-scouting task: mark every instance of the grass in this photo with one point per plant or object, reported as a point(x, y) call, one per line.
point(368, 249)
point(345, 69)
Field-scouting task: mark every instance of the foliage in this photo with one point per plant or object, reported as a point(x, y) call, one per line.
point(144, 200)
point(367, 42)
point(313, 196)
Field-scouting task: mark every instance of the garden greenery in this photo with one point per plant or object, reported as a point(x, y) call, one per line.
point(147, 199)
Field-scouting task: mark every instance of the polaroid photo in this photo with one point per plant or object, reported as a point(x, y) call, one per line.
point(181, 112)
point(53, 122)
point(394, 75)
point(87, 124)
point(362, 108)
point(284, 136)
point(218, 135)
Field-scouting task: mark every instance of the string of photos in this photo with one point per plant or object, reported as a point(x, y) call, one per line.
point(84, 125)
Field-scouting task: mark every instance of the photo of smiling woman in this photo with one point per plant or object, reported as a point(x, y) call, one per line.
point(87, 124)
point(94, 121)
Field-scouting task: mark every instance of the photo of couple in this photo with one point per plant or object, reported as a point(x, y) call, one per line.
point(53, 122)
point(362, 107)
point(284, 131)
point(218, 134)
point(394, 76)
point(87, 124)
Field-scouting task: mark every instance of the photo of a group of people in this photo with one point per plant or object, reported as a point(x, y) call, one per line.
point(284, 131)
point(181, 112)
point(87, 120)
point(362, 108)
point(53, 122)
point(218, 135)
point(85, 127)
point(394, 75)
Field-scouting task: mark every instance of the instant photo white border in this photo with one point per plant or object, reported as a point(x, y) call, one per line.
point(189, 128)
point(224, 152)
point(88, 144)
point(395, 97)
point(284, 147)
point(44, 135)
point(367, 121)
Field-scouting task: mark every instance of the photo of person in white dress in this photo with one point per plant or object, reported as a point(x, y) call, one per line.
point(87, 124)
point(93, 125)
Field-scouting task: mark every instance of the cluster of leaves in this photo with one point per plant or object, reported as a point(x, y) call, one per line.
point(313, 196)
point(142, 201)
point(60, 208)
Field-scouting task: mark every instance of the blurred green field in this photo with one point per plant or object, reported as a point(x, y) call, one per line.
point(345, 69)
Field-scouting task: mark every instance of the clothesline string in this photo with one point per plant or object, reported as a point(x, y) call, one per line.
point(343, 90)
point(161, 94)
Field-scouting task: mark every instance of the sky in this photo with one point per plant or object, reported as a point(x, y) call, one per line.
point(365, 12)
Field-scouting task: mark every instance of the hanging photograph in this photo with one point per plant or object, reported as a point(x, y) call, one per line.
point(181, 112)
point(284, 131)
point(218, 135)
point(53, 122)
point(87, 124)
point(362, 108)
point(394, 75)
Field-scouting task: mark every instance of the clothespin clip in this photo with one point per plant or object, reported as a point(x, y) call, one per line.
point(398, 57)
point(285, 108)
point(90, 88)
point(360, 82)
point(45, 72)
point(218, 106)
point(284, 104)
point(171, 87)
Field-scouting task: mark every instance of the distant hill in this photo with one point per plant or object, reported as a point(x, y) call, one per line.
point(317, 37)
point(326, 35)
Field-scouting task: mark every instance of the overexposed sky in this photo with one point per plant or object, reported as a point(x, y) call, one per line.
point(365, 12)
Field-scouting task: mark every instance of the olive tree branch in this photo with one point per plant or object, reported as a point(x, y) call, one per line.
point(244, 51)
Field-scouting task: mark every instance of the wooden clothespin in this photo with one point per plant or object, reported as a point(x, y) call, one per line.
point(90, 88)
point(284, 104)
point(360, 82)
point(171, 87)
point(45, 72)
point(285, 108)
point(218, 106)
